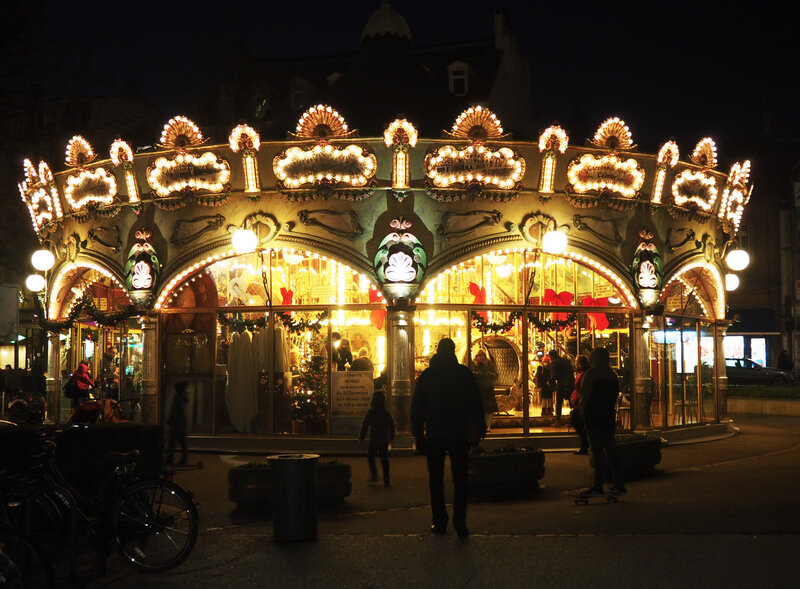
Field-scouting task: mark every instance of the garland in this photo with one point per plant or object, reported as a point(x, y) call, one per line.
point(86, 304)
point(240, 324)
point(541, 324)
point(479, 322)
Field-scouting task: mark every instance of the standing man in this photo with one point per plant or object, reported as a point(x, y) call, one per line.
point(598, 404)
point(446, 418)
point(563, 378)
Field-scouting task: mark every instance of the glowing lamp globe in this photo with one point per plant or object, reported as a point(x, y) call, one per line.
point(731, 282)
point(43, 260)
point(737, 260)
point(35, 283)
point(244, 241)
point(554, 242)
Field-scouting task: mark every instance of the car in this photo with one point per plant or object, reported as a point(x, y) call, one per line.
point(747, 371)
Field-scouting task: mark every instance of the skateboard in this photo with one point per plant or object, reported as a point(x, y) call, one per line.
point(581, 499)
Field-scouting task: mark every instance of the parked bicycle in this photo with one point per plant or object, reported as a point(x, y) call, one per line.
point(152, 521)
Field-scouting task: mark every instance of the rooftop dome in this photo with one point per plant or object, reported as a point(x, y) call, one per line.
point(386, 22)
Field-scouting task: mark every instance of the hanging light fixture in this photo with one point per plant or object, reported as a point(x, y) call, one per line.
point(731, 282)
point(554, 242)
point(43, 260)
point(737, 260)
point(244, 241)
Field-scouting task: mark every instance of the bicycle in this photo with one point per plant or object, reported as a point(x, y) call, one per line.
point(152, 521)
point(23, 563)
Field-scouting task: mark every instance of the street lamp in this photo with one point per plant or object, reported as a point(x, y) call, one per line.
point(731, 282)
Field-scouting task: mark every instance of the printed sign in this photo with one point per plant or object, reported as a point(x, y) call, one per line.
point(351, 394)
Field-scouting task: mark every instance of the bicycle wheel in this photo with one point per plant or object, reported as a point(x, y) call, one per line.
point(22, 563)
point(33, 512)
point(154, 525)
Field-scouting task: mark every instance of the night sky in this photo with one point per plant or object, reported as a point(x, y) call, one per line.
point(669, 69)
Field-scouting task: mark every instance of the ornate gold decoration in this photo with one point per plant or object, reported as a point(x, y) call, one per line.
point(180, 133)
point(322, 122)
point(705, 153)
point(614, 135)
point(79, 152)
point(478, 124)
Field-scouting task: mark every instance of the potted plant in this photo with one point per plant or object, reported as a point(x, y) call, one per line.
point(505, 468)
point(250, 484)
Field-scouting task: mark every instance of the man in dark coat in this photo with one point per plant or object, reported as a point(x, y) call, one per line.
point(563, 379)
point(446, 418)
point(598, 404)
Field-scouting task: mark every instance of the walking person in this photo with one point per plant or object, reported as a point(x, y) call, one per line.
point(598, 403)
point(177, 424)
point(485, 375)
point(563, 380)
point(544, 385)
point(575, 415)
point(446, 418)
point(380, 424)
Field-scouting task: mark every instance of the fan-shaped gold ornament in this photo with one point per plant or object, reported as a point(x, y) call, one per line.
point(477, 123)
point(613, 134)
point(705, 153)
point(321, 122)
point(179, 133)
point(79, 152)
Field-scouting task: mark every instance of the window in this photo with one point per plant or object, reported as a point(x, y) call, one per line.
point(458, 78)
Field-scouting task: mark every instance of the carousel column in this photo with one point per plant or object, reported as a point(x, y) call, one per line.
point(54, 398)
point(401, 354)
point(150, 369)
point(719, 368)
point(643, 381)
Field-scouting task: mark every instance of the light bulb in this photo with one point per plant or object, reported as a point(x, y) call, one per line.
point(244, 241)
point(43, 260)
point(554, 242)
point(35, 283)
point(737, 260)
point(731, 282)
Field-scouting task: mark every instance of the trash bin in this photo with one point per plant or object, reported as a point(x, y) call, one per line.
point(294, 497)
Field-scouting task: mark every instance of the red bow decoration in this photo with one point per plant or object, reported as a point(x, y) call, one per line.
point(287, 296)
point(378, 316)
point(598, 321)
point(479, 293)
point(562, 299)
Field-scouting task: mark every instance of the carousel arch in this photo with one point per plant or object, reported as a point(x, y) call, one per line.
point(63, 292)
point(696, 285)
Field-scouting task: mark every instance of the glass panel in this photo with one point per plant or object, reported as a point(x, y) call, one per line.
point(360, 358)
point(734, 346)
point(681, 353)
point(432, 325)
point(708, 402)
point(758, 350)
point(188, 354)
point(292, 278)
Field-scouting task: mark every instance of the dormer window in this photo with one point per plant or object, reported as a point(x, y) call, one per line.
point(458, 78)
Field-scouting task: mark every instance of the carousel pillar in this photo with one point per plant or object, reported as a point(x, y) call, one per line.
point(54, 399)
point(150, 369)
point(719, 364)
point(640, 373)
point(401, 363)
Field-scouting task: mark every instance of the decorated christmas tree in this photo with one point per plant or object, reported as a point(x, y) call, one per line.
point(308, 389)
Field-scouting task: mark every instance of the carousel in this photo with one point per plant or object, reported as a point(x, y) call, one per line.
point(287, 280)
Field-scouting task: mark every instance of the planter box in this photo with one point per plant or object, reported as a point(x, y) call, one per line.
point(251, 485)
point(637, 455)
point(506, 469)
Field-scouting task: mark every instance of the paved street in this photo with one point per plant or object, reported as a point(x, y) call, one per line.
point(716, 513)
